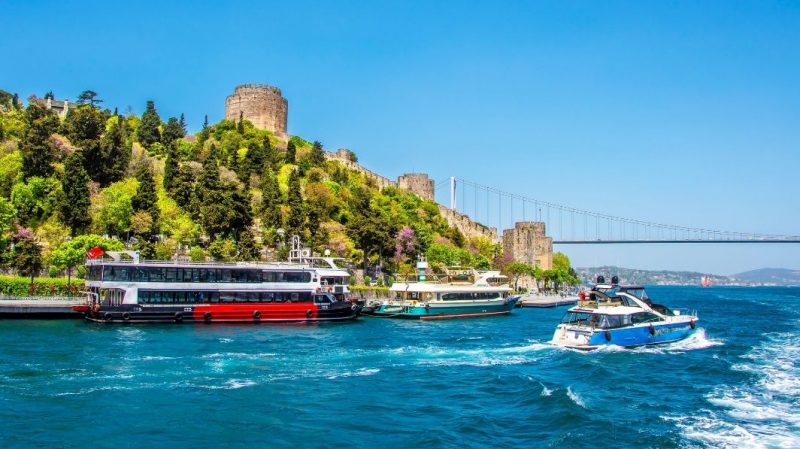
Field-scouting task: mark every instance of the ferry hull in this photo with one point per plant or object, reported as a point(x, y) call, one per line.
point(227, 313)
point(440, 312)
point(628, 337)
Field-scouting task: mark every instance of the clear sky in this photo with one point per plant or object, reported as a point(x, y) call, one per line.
point(673, 112)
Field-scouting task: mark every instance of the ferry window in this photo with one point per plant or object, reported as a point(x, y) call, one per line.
point(170, 275)
point(224, 276)
point(253, 276)
point(266, 297)
point(267, 276)
point(297, 276)
point(155, 274)
point(227, 296)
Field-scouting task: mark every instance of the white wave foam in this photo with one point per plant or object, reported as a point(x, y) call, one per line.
point(230, 384)
point(546, 391)
point(696, 341)
point(359, 372)
point(226, 340)
point(760, 414)
point(576, 398)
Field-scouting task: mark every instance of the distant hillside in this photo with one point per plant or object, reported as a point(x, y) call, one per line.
point(779, 276)
point(658, 277)
point(763, 276)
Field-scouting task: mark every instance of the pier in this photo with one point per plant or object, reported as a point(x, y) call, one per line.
point(40, 307)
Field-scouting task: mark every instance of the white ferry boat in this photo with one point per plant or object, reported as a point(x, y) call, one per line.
point(123, 289)
point(458, 293)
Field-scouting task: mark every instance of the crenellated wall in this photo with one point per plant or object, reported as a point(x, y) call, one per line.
point(466, 225)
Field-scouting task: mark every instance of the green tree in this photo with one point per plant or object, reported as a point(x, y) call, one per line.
point(270, 200)
point(74, 207)
point(294, 200)
point(517, 270)
point(170, 165)
point(173, 131)
point(255, 158)
point(36, 199)
point(115, 153)
point(87, 97)
point(38, 152)
point(182, 187)
point(291, 153)
point(247, 246)
point(28, 257)
point(72, 253)
point(149, 132)
point(372, 232)
point(146, 198)
point(317, 155)
point(223, 249)
point(240, 125)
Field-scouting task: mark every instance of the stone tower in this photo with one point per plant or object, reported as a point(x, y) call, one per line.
point(261, 104)
point(528, 243)
point(417, 183)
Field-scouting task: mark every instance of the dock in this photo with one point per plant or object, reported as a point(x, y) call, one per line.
point(40, 307)
point(547, 301)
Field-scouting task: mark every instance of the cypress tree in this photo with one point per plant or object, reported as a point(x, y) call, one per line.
point(182, 187)
point(148, 132)
point(172, 132)
point(270, 199)
point(291, 153)
point(295, 202)
point(182, 122)
point(240, 125)
point(255, 158)
point(38, 152)
point(170, 165)
point(75, 204)
point(317, 155)
point(146, 198)
point(115, 155)
point(205, 122)
point(247, 246)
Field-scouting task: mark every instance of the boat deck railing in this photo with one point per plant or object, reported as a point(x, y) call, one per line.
point(107, 260)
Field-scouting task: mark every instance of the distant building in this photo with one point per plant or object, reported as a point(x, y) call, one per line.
point(59, 107)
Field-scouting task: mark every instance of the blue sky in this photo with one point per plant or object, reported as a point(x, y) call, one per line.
point(673, 112)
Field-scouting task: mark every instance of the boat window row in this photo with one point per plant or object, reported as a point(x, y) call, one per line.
point(333, 281)
point(195, 297)
point(192, 274)
point(469, 295)
point(608, 321)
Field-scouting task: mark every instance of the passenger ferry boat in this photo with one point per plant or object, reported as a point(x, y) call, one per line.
point(621, 315)
point(458, 293)
point(125, 290)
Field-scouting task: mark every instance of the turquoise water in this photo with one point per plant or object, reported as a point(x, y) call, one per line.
point(474, 383)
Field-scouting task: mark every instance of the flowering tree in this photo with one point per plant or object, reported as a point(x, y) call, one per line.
point(405, 244)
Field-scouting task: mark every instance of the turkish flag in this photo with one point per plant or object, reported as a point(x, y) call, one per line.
point(95, 252)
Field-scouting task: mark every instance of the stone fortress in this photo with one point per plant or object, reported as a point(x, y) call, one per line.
point(265, 107)
point(262, 105)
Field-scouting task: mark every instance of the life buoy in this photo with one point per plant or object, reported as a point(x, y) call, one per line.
point(652, 330)
point(126, 316)
point(96, 307)
point(107, 316)
point(257, 315)
point(692, 325)
point(309, 313)
point(178, 317)
point(207, 317)
point(608, 335)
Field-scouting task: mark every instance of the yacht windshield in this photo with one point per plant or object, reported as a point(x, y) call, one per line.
point(576, 318)
point(639, 293)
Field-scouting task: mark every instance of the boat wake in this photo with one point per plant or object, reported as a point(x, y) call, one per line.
point(761, 413)
point(576, 398)
point(698, 340)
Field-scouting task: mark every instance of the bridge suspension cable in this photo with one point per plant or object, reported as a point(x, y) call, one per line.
point(573, 225)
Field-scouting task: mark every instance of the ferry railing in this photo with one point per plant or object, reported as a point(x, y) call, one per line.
point(259, 264)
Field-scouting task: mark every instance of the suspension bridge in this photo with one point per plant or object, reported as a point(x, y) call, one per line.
point(572, 226)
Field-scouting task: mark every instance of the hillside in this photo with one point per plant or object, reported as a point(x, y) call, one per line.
point(778, 276)
point(764, 276)
point(229, 192)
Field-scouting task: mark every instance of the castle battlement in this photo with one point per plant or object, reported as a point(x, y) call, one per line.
point(261, 104)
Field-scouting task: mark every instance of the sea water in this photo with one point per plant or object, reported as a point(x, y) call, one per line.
point(469, 383)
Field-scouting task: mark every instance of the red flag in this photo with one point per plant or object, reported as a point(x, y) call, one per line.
point(95, 252)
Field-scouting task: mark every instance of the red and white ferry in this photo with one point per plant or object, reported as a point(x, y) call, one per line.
point(123, 289)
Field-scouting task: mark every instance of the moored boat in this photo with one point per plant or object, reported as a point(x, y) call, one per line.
point(621, 315)
point(458, 293)
point(121, 289)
